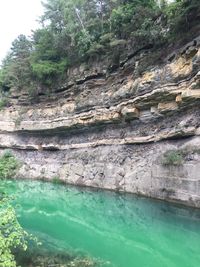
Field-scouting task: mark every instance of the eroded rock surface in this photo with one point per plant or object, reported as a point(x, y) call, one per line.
point(111, 129)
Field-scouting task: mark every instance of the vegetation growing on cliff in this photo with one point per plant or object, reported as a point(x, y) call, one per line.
point(176, 157)
point(77, 31)
point(8, 165)
point(173, 158)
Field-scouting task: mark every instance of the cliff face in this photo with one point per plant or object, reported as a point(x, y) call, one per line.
point(132, 128)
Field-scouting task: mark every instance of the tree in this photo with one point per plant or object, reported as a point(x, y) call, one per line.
point(16, 70)
point(76, 31)
point(47, 61)
point(182, 15)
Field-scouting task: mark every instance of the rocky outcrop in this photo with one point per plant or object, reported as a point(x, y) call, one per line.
point(111, 129)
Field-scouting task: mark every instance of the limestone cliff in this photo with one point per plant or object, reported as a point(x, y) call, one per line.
point(112, 127)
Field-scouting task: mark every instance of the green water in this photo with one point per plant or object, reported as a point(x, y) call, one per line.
point(122, 230)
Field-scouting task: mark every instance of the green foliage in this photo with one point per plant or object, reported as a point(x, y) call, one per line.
point(47, 71)
point(136, 19)
point(47, 63)
point(16, 66)
point(77, 31)
point(173, 158)
point(182, 15)
point(177, 157)
point(12, 236)
point(8, 165)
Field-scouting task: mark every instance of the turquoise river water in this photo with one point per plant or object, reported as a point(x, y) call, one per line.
point(120, 229)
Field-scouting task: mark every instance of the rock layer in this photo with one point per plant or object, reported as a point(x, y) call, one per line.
point(111, 129)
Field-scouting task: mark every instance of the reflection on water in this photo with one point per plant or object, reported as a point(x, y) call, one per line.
point(121, 229)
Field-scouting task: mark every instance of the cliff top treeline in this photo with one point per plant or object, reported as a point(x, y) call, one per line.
point(76, 31)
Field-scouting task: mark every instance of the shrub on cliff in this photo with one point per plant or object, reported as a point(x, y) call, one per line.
point(8, 165)
point(173, 158)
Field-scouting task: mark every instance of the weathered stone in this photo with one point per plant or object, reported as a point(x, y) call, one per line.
point(110, 130)
point(170, 106)
point(130, 112)
point(179, 98)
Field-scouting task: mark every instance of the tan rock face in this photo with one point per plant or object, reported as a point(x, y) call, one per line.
point(181, 67)
point(110, 130)
point(130, 112)
point(169, 106)
point(179, 98)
